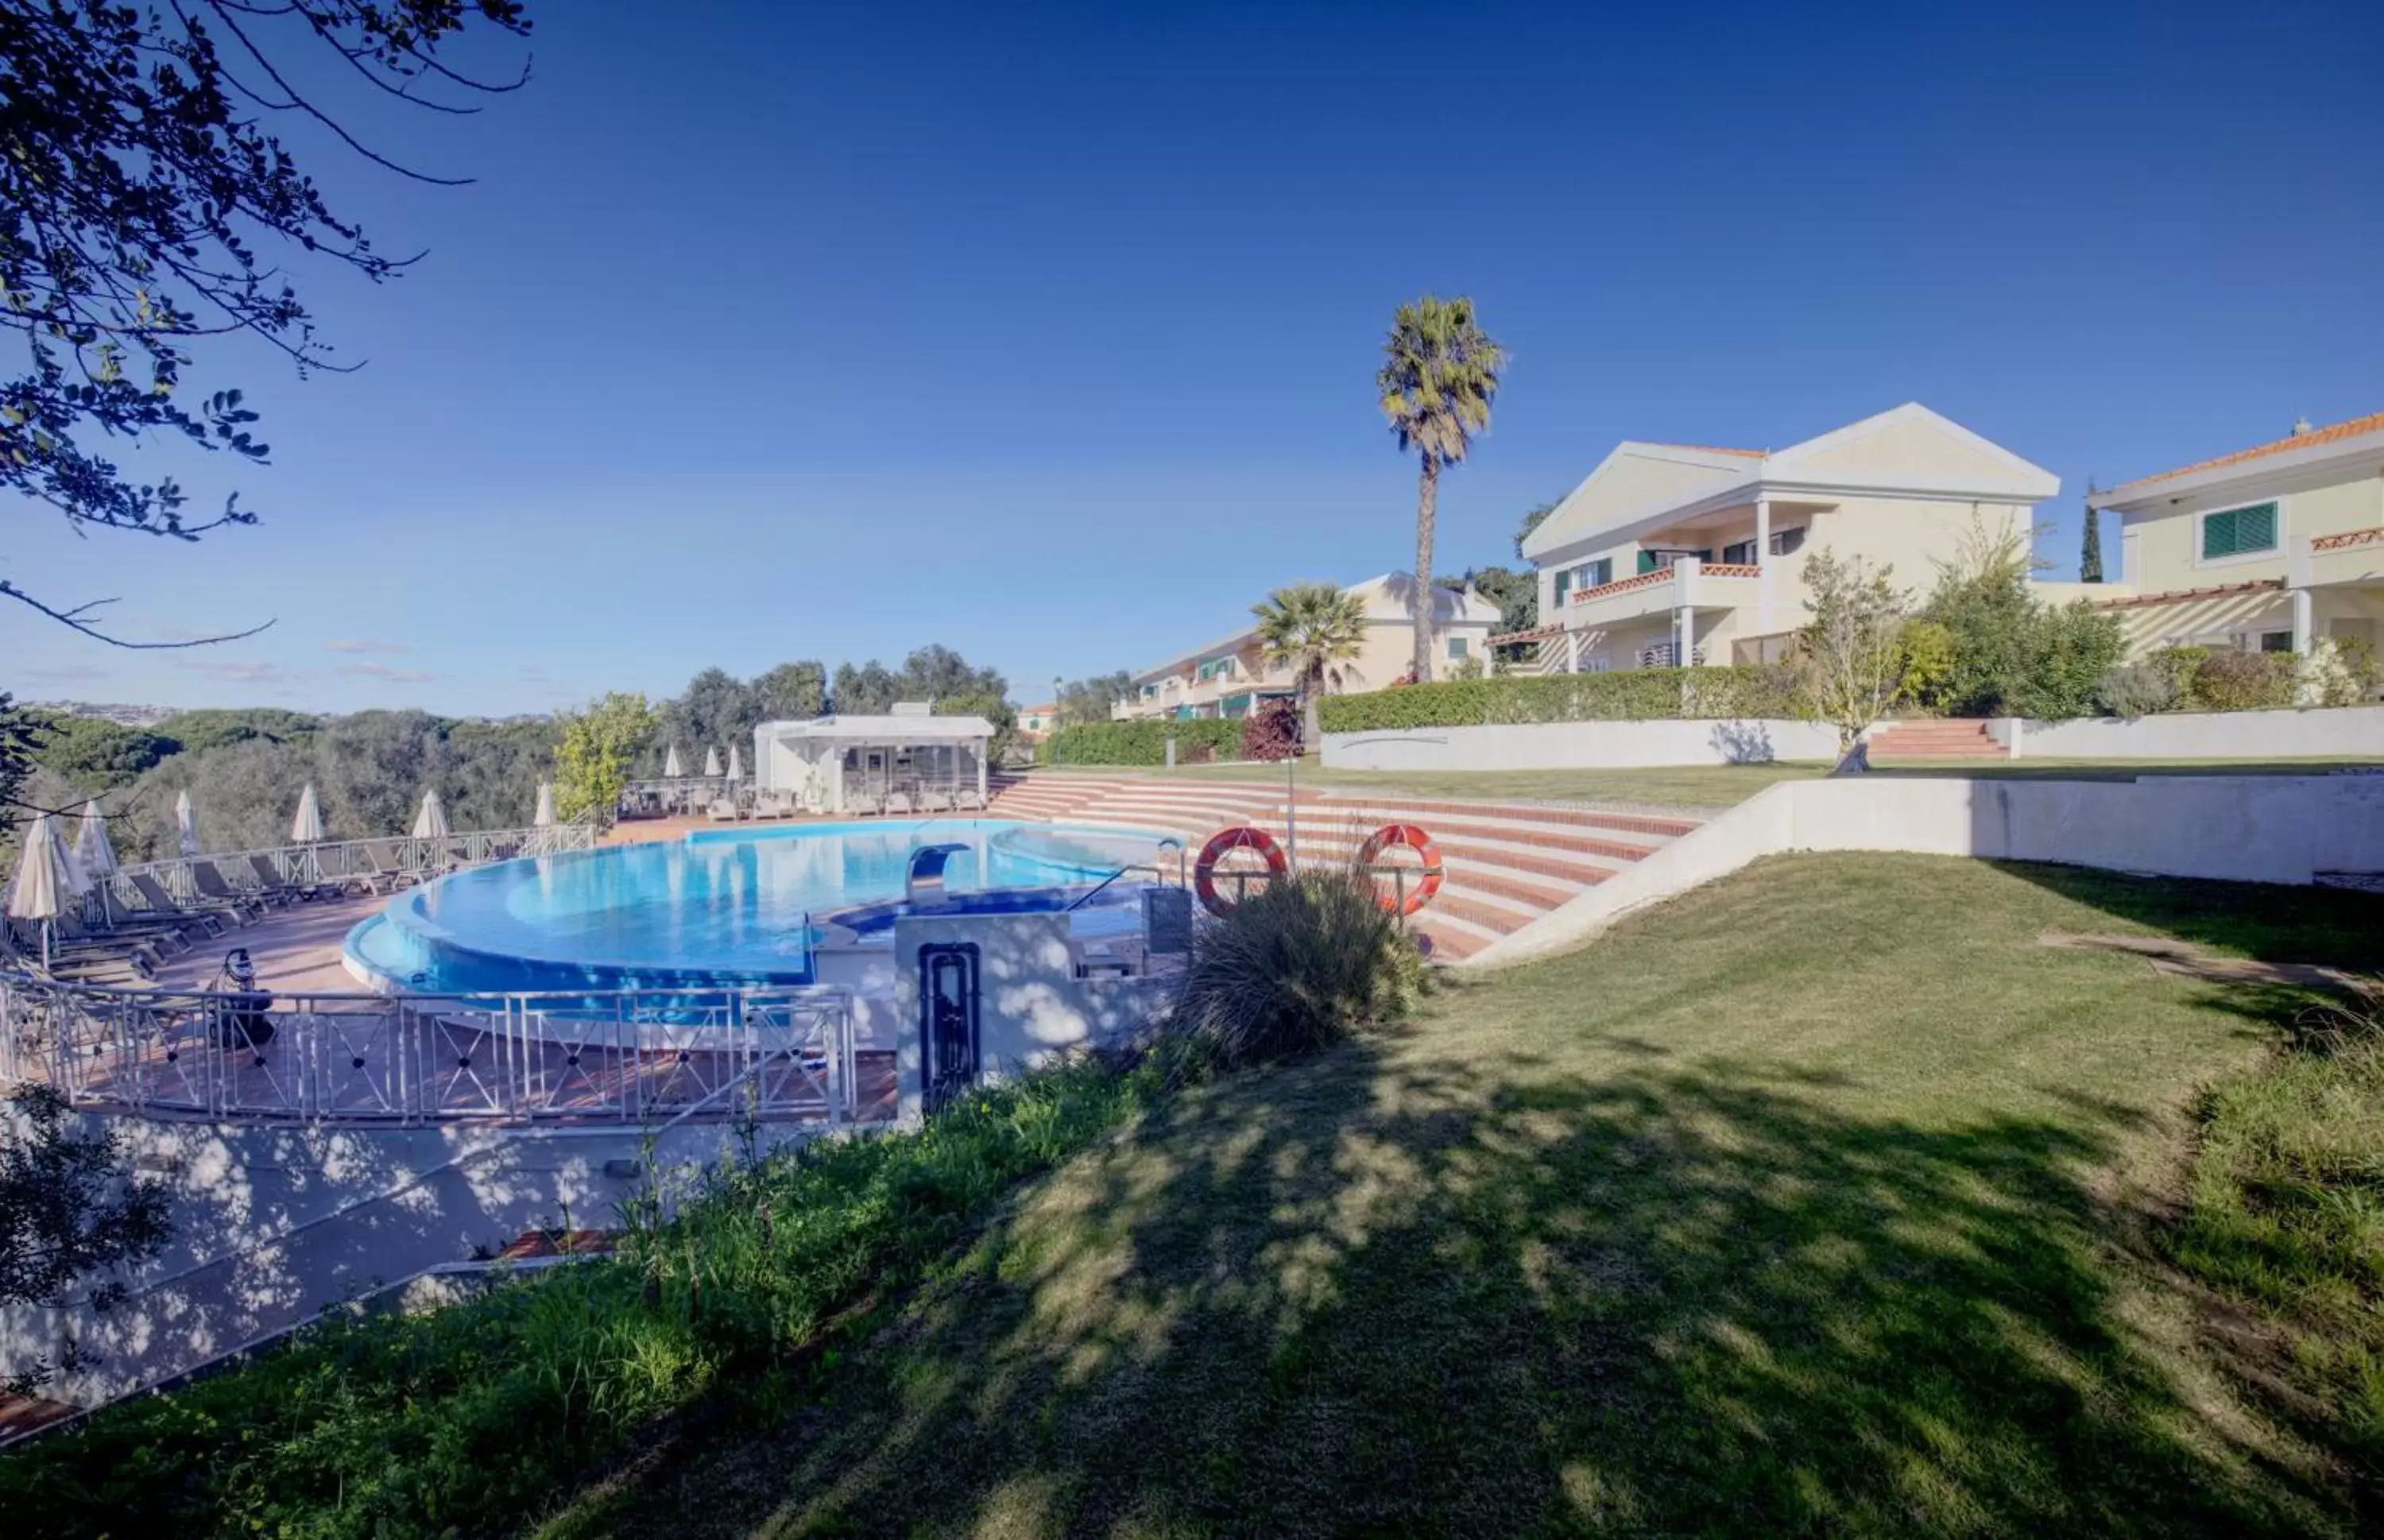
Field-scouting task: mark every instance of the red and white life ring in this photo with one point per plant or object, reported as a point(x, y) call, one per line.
point(1414, 839)
point(1240, 838)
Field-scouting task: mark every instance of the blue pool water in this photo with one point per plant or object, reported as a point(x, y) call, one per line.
point(721, 907)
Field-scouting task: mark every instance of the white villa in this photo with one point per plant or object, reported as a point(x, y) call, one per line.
point(2270, 547)
point(1677, 554)
point(1229, 675)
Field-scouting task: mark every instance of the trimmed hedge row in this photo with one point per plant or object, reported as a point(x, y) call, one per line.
point(1625, 695)
point(1145, 742)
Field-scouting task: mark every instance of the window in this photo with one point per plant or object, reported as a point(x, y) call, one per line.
point(1664, 556)
point(1457, 647)
point(1217, 668)
point(2239, 531)
point(2275, 641)
point(1587, 575)
point(1739, 553)
point(1149, 691)
point(1787, 543)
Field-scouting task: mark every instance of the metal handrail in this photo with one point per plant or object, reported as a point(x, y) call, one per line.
point(411, 1060)
point(1150, 867)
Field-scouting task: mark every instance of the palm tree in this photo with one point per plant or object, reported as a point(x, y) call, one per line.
point(1439, 374)
point(1306, 626)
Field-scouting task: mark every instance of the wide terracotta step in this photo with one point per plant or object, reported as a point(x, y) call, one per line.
point(1937, 740)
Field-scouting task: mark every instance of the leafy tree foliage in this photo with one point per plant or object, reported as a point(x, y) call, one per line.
point(69, 1208)
point(994, 709)
point(1854, 642)
point(1307, 628)
point(929, 673)
point(145, 201)
point(1272, 731)
point(714, 711)
point(1085, 702)
point(1517, 594)
point(865, 691)
point(200, 730)
point(91, 754)
point(2013, 654)
point(1438, 376)
point(792, 691)
point(592, 761)
point(1532, 520)
point(2090, 550)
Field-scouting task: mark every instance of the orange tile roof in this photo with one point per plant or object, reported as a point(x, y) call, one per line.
point(2351, 429)
point(2183, 596)
point(1710, 449)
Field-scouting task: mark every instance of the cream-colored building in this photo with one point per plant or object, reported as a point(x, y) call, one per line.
point(1678, 553)
point(1229, 675)
point(2267, 549)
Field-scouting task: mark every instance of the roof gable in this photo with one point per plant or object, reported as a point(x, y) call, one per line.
point(1911, 449)
point(2278, 454)
point(1637, 475)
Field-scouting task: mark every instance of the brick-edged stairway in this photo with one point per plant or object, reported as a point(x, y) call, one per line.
point(1936, 738)
point(1507, 864)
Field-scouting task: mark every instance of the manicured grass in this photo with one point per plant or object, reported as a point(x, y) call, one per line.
point(1700, 785)
point(1824, 1200)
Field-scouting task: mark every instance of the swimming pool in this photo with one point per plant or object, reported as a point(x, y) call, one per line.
point(723, 907)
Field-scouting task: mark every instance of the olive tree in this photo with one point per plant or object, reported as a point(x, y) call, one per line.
point(1853, 644)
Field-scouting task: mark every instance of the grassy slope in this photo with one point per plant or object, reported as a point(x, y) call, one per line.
point(1682, 785)
point(1811, 1202)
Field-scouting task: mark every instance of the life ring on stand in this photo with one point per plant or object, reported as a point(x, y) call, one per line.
point(1414, 839)
point(1240, 838)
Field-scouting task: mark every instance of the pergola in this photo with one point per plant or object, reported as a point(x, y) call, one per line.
point(844, 759)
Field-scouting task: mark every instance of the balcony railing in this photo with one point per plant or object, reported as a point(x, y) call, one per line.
point(2347, 540)
point(1664, 575)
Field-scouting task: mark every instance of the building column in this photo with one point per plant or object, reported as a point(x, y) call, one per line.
point(1572, 652)
point(1763, 602)
point(2305, 622)
point(1685, 636)
point(981, 746)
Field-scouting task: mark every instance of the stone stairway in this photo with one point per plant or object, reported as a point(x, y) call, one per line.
point(1506, 863)
point(1947, 738)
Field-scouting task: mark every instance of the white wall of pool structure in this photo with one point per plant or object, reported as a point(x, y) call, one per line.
point(1583, 745)
point(2294, 829)
point(2320, 732)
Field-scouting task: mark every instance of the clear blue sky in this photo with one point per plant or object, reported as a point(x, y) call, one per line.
point(776, 332)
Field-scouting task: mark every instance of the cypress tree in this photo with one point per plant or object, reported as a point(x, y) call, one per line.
point(2089, 556)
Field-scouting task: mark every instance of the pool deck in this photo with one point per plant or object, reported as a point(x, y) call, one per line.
point(296, 950)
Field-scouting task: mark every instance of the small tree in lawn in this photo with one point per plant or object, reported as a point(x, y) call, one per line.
point(1853, 644)
point(591, 763)
point(1306, 628)
point(68, 1211)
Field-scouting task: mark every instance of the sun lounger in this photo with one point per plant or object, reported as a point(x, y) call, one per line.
point(153, 894)
point(163, 939)
point(971, 798)
point(721, 811)
point(865, 804)
point(270, 881)
point(80, 962)
point(212, 883)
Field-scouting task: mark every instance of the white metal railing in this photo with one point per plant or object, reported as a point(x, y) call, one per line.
point(335, 861)
point(628, 1056)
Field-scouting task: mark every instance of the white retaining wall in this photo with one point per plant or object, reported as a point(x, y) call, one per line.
point(1582, 745)
point(2242, 828)
point(2348, 731)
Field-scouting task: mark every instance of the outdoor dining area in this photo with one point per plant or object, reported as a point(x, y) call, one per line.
point(75, 914)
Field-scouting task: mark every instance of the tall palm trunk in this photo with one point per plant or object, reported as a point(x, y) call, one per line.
point(1311, 685)
point(1427, 509)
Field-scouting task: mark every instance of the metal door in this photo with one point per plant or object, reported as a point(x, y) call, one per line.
point(947, 1021)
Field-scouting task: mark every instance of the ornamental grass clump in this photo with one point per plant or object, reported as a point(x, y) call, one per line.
point(1298, 966)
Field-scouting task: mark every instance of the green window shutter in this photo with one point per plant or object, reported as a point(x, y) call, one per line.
point(2218, 534)
point(2256, 528)
point(1564, 583)
point(1646, 561)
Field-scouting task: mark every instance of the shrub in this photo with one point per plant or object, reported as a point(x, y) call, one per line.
point(2070, 649)
point(1636, 694)
point(2180, 664)
point(1924, 659)
point(2137, 690)
point(2341, 671)
point(2246, 681)
point(1296, 967)
point(1270, 732)
point(1145, 742)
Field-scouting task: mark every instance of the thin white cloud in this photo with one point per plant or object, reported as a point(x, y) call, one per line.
point(252, 672)
point(384, 673)
point(359, 644)
point(67, 674)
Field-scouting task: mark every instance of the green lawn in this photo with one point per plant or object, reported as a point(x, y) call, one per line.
point(1703, 785)
point(1822, 1200)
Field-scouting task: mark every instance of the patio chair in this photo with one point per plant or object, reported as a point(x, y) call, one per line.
point(721, 811)
point(898, 803)
point(158, 901)
point(865, 803)
point(936, 799)
point(384, 871)
point(972, 799)
point(212, 884)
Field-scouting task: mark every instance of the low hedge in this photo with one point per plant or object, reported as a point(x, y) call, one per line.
point(1625, 695)
point(1145, 742)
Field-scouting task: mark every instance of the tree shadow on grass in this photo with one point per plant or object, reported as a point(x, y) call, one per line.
point(2339, 926)
point(1372, 1294)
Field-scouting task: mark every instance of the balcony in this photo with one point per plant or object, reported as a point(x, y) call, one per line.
point(2353, 557)
point(1688, 583)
